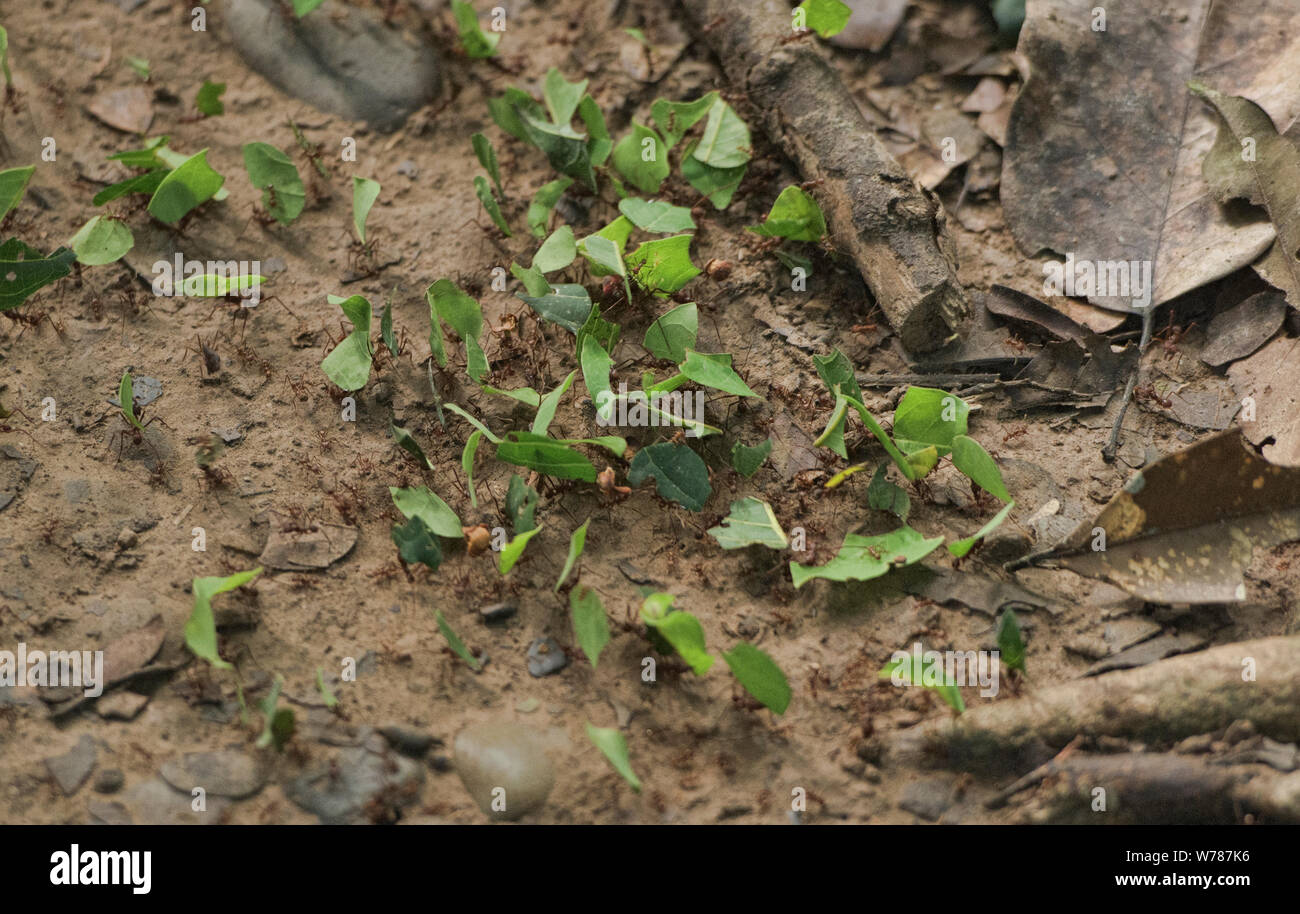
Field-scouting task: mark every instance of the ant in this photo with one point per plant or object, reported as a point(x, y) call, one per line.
point(5, 427)
point(135, 426)
point(1016, 433)
point(1149, 392)
point(1171, 336)
point(210, 361)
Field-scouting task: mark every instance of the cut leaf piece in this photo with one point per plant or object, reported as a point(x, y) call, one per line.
point(863, 558)
point(416, 545)
point(590, 624)
point(751, 522)
point(539, 210)
point(825, 17)
point(188, 185)
point(453, 641)
point(725, 142)
point(13, 184)
point(577, 542)
point(487, 157)
point(484, 194)
point(561, 96)
point(549, 403)
point(556, 252)
point(348, 365)
point(929, 416)
point(760, 676)
point(673, 333)
point(365, 191)
point(717, 184)
point(642, 158)
point(419, 502)
point(201, 627)
point(546, 456)
point(746, 460)
point(679, 473)
point(612, 745)
point(273, 172)
point(663, 265)
point(973, 461)
point(929, 674)
point(714, 370)
point(680, 630)
point(962, 547)
point(794, 215)
point(883, 495)
point(101, 240)
point(476, 43)
point(675, 118)
point(513, 551)
point(568, 305)
point(656, 215)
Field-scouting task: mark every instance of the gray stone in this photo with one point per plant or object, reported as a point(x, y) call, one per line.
point(72, 768)
point(354, 66)
point(927, 798)
point(121, 706)
point(357, 785)
point(153, 802)
point(508, 756)
point(545, 656)
point(224, 773)
point(109, 780)
point(409, 741)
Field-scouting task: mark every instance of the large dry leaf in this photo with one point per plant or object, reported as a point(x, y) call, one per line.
point(1184, 529)
point(1106, 141)
point(1271, 379)
point(1252, 161)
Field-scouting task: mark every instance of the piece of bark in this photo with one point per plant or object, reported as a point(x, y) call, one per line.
point(893, 230)
point(1139, 789)
point(1159, 703)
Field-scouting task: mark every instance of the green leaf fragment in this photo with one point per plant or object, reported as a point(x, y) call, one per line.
point(590, 624)
point(863, 558)
point(577, 542)
point(201, 627)
point(751, 522)
point(760, 676)
point(612, 745)
point(679, 473)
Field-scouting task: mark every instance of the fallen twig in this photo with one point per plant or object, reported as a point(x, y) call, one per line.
point(1258, 681)
point(893, 230)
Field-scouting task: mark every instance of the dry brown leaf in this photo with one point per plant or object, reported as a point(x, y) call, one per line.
point(1271, 379)
point(1185, 528)
point(1156, 206)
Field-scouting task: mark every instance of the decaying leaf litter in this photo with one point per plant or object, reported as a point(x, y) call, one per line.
point(509, 530)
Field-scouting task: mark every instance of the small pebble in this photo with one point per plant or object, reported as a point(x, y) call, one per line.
point(545, 656)
point(110, 780)
point(497, 612)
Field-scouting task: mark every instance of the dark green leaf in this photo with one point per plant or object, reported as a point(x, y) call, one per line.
point(679, 473)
